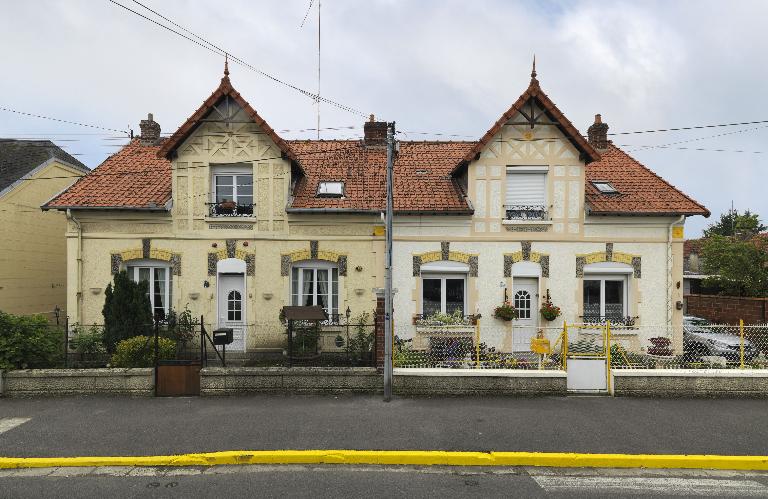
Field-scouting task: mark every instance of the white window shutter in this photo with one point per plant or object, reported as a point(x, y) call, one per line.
point(526, 188)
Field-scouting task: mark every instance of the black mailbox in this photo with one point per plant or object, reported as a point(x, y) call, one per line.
point(222, 336)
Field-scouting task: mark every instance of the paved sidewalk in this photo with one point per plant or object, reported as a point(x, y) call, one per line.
point(88, 426)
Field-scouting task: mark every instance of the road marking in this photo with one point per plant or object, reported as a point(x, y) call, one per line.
point(11, 423)
point(406, 457)
point(665, 486)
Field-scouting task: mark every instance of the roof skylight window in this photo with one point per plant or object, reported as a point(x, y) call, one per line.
point(332, 189)
point(605, 187)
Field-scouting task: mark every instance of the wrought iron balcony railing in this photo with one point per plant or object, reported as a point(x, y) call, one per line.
point(525, 212)
point(616, 320)
point(230, 209)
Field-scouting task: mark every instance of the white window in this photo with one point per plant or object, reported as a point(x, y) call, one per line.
point(605, 187)
point(605, 297)
point(158, 276)
point(330, 189)
point(526, 193)
point(234, 306)
point(237, 188)
point(522, 303)
point(316, 283)
point(443, 293)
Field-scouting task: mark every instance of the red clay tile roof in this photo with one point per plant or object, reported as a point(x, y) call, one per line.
point(133, 178)
point(423, 181)
point(225, 88)
point(641, 192)
point(535, 92)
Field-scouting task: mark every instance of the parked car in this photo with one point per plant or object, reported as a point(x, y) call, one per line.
point(701, 338)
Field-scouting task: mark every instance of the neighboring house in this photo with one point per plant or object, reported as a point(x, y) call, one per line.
point(33, 263)
point(693, 274)
point(547, 213)
point(230, 219)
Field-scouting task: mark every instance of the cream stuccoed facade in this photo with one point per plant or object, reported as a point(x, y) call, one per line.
point(255, 254)
point(497, 257)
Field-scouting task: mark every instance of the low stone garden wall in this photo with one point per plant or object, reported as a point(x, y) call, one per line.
point(241, 380)
point(478, 382)
point(703, 383)
point(57, 382)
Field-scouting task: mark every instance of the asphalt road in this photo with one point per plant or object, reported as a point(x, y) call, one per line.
point(83, 426)
point(373, 482)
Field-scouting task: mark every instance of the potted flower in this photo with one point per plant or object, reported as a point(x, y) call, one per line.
point(549, 311)
point(505, 312)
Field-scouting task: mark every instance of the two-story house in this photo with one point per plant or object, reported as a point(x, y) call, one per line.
point(549, 215)
point(229, 219)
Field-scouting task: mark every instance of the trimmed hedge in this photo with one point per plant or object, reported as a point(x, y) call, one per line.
point(29, 342)
point(139, 351)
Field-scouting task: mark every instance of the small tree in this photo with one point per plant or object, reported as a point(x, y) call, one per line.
point(127, 310)
point(737, 267)
point(732, 223)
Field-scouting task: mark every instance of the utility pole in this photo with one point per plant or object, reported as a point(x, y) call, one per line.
point(388, 334)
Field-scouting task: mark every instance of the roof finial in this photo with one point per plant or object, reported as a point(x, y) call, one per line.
point(533, 72)
point(226, 65)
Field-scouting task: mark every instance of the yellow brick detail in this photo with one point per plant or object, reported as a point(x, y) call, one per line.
point(623, 258)
point(595, 258)
point(221, 254)
point(300, 255)
point(378, 230)
point(678, 232)
point(159, 254)
point(328, 256)
point(535, 257)
point(240, 254)
point(456, 256)
point(432, 256)
point(134, 254)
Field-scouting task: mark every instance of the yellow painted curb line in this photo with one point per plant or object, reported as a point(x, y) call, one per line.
point(412, 457)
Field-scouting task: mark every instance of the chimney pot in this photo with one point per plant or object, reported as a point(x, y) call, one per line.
point(150, 131)
point(375, 133)
point(597, 133)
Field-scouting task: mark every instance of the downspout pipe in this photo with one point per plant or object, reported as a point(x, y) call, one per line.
point(79, 288)
point(679, 220)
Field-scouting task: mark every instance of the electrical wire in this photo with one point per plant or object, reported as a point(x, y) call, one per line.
point(697, 127)
point(60, 120)
point(220, 51)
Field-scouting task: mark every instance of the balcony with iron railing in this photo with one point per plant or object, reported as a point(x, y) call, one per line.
point(523, 212)
point(230, 209)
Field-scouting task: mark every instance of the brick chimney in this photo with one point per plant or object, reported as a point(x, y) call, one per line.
point(375, 133)
point(597, 133)
point(150, 131)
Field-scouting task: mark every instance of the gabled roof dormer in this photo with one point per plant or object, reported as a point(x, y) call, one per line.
point(526, 105)
point(213, 107)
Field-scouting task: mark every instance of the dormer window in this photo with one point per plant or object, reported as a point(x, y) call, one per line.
point(330, 189)
point(605, 187)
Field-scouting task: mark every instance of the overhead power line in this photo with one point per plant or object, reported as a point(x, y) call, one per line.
point(202, 42)
point(60, 120)
point(697, 127)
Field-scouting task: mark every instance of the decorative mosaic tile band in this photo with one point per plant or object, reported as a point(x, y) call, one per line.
point(446, 255)
point(609, 256)
point(117, 259)
point(526, 255)
point(314, 253)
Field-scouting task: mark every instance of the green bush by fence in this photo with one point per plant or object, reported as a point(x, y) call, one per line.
point(139, 351)
point(28, 342)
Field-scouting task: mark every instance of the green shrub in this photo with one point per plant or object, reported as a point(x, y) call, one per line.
point(139, 351)
point(29, 341)
point(88, 341)
point(127, 311)
point(360, 344)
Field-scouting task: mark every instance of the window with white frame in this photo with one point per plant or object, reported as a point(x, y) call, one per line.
point(316, 283)
point(158, 277)
point(330, 189)
point(605, 297)
point(443, 293)
point(232, 187)
point(526, 193)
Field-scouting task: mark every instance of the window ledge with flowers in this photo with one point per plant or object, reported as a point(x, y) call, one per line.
point(454, 325)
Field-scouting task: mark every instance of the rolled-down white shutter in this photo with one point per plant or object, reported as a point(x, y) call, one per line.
point(527, 188)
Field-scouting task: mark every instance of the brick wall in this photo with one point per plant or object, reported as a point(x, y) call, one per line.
point(728, 309)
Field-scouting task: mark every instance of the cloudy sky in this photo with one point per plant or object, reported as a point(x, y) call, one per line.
point(450, 67)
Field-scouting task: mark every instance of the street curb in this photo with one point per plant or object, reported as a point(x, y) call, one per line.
point(413, 457)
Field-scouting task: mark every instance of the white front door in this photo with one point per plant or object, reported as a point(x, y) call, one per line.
point(231, 304)
point(525, 298)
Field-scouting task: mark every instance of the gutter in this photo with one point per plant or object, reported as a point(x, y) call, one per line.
point(79, 285)
point(318, 211)
point(122, 208)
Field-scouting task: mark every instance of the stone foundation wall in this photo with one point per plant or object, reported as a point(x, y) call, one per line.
point(58, 382)
point(242, 380)
point(703, 383)
point(492, 382)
